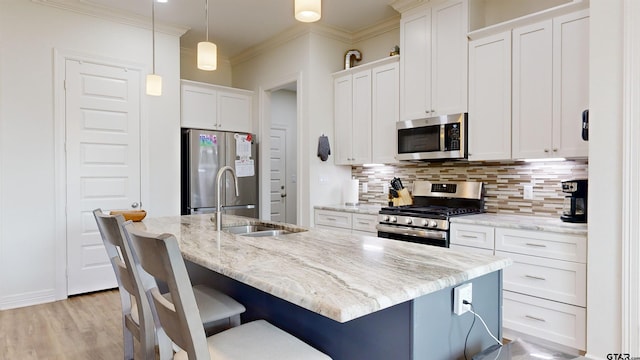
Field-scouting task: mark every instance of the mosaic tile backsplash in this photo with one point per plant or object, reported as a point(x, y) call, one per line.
point(504, 182)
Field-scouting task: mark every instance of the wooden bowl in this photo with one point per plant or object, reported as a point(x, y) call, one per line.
point(133, 215)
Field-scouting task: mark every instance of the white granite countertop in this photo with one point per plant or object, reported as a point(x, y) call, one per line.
point(523, 222)
point(369, 209)
point(335, 274)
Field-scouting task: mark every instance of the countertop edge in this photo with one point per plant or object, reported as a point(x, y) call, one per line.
point(522, 222)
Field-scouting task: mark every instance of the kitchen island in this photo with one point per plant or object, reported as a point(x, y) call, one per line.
point(350, 296)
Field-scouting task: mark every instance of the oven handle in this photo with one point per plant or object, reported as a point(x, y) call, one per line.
point(401, 230)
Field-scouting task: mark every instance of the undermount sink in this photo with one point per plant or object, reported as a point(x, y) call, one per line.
point(257, 230)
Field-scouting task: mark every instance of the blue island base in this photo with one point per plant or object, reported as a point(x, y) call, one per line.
point(423, 328)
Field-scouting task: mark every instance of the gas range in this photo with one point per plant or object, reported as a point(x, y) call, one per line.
point(427, 221)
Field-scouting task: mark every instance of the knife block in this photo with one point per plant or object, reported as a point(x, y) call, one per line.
point(404, 198)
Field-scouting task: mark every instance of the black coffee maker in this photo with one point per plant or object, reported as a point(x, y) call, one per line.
point(575, 204)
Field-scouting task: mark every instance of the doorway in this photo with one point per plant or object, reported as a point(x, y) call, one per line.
point(283, 156)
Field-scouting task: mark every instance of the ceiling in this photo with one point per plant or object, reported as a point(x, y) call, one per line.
point(236, 25)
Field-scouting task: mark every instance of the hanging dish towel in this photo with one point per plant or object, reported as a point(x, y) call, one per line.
point(323, 148)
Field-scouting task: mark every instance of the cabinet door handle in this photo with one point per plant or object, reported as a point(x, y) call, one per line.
point(535, 318)
point(534, 277)
point(331, 219)
point(537, 245)
point(363, 223)
point(468, 236)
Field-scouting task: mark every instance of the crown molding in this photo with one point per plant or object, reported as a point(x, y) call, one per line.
point(122, 17)
point(377, 29)
point(288, 35)
point(321, 29)
point(404, 5)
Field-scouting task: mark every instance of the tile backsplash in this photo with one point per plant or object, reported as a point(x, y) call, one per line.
point(504, 182)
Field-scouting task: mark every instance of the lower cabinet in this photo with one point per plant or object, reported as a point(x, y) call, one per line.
point(544, 291)
point(356, 223)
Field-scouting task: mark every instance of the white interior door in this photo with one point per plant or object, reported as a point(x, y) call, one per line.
point(103, 163)
point(278, 174)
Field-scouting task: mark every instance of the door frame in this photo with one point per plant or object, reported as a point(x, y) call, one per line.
point(631, 184)
point(264, 127)
point(60, 56)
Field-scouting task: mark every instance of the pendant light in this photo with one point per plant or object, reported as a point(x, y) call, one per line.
point(154, 81)
point(207, 51)
point(308, 10)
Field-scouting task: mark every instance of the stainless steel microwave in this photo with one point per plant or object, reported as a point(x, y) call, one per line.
point(437, 138)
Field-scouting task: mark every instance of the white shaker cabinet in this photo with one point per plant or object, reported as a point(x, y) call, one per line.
point(352, 104)
point(198, 106)
point(385, 113)
point(433, 69)
point(355, 223)
point(365, 113)
point(490, 98)
point(544, 291)
point(234, 110)
point(550, 87)
point(212, 107)
point(532, 90)
point(571, 85)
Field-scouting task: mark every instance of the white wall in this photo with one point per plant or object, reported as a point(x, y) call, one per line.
point(29, 33)
point(190, 71)
point(605, 178)
point(311, 59)
point(380, 46)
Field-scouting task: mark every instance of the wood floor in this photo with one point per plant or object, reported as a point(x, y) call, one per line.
point(81, 327)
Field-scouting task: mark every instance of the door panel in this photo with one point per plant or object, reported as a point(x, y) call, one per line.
point(103, 163)
point(278, 174)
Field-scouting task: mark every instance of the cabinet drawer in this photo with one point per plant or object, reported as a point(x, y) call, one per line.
point(549, 320)
point(365, 223)
point(557, 280)
point(471, 249)
point(472, 235)
point(333, 218)
point(544, 244)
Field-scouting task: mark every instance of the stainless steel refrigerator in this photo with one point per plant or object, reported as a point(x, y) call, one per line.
point(203, 154)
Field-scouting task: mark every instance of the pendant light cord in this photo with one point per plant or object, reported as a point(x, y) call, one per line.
point(206, 11)
point(153, 34)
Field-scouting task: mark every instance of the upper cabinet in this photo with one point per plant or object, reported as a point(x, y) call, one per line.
point(212, 107)
point(365, 112)
point(433, 64)
point(528, 88)
point(490, 98)
point(550, 87)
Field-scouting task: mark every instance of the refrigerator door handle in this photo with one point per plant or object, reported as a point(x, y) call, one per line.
point(238, 207)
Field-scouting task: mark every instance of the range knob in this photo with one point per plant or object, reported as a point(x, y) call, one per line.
point(433, 223)
point(385, 218)
point(409, 221)
point(394, 219)
point(425, 222)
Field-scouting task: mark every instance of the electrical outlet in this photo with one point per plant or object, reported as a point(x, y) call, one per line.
point(527, 193)
point(460, 293)
point(385, 188)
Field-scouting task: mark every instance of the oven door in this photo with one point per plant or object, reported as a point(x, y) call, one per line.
point(442, 137)
point(415, 235)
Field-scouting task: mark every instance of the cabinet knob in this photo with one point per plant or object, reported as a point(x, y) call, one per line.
point(555, 150)
point(546, 150)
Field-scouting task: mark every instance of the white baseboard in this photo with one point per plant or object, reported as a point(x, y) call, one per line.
point(27, 299)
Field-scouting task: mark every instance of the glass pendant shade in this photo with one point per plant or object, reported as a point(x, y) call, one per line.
point(307, 10)
point(207, 56)
point(154, 85)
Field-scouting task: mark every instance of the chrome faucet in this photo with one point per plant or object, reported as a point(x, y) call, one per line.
point(218, 178)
